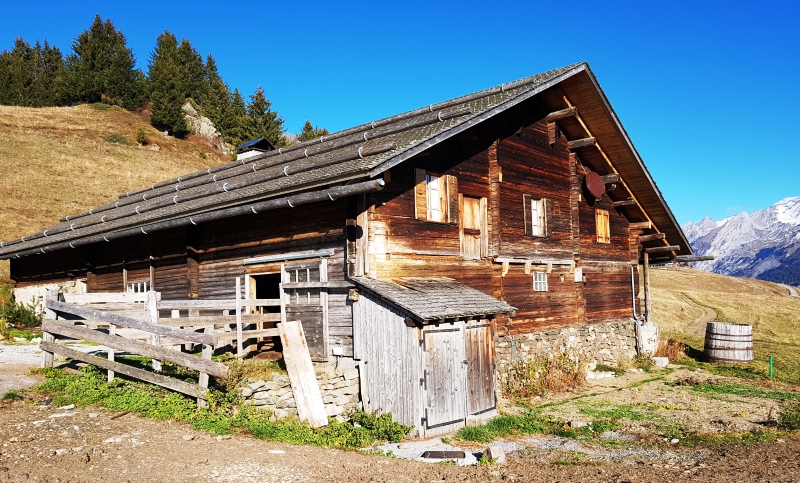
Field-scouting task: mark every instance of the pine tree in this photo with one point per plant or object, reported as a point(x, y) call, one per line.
point(167, 95)
point(216, 96)
point(191, 71)
point(234, 120)
point(29, 75)
point(101, 67)
point(262, 122)
point(310, 132)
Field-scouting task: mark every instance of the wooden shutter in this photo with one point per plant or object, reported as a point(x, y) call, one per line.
point(526, 202)
point(484, 228)
point(451, 203)
point(601, 218)
point(548, 217)
point(420, 195)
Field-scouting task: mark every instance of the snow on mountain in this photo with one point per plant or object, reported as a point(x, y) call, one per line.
point(764, 245)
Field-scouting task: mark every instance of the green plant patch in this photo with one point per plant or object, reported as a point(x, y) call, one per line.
point(12, 396)
point(220, 416)
point(117, 139)
point(743, 390)
point(616, 412)
point(618, 371)
point(789, 419)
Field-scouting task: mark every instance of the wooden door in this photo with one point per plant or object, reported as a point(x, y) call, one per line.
point(444, 381)
point(305, 298)
point(473, 227)
point(480, 367)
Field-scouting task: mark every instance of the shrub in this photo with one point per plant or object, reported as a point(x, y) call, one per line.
point(19, 315)
point(117, 139)
point(555, 372)
point(672, 349)
point(141, 137)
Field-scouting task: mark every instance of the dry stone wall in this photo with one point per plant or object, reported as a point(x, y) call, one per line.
point(338, 382)
point(609, 343)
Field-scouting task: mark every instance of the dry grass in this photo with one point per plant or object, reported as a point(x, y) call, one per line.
point(59, 161)
point(545, 373)
point(672, 349)
point(685, 299)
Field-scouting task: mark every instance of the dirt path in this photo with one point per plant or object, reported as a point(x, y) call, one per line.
point(698, 327)
point(792, 290)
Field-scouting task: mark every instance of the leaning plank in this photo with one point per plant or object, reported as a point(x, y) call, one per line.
point(93, 314)
point(101, 297)
point(215, 304)
point(301, 374)
point(157, 379)
point(66, 328)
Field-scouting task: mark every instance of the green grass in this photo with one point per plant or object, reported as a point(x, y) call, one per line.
point(117, 139)
point(532, 422)
point(12, 396)
point(718, 389)
point(221, 416)
point(614, 412)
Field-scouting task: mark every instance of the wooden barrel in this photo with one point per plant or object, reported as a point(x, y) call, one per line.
point(726, 342)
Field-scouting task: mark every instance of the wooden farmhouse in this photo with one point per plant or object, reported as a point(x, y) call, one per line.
point(430, 250)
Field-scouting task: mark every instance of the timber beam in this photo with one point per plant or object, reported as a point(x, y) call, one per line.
point(641, 225)
point(562, 114)
point(581, 143)
point(653, 237)
point(627, 202)
point(610, 178)
point(693, 258)
point(668, 248)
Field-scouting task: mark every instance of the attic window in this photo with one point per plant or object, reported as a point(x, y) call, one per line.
point(603, 228)
point(537, 216)
point(435, 197)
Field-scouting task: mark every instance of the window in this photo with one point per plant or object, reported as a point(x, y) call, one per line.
point(540, 281)
point(537, 213)
point(306, 295)
point(138, 286)
point(603, 229)
point(436, 197)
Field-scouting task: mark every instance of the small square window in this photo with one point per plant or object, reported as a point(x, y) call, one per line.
point(435, 197)
point(540, 281)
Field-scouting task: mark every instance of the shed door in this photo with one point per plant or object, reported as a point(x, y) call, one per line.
point(305, 298)
point(444, 357)
point(480, 367)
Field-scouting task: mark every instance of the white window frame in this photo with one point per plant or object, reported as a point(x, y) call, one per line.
point(538, 227)
point(540, 282)
point(434, 190)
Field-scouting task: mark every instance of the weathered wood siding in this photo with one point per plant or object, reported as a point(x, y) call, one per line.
point(389, 361)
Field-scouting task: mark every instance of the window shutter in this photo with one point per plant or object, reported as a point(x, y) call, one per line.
point(548, 217)
point(451, 190)
point(484, 228)
point(526, 202)
point(420, 195)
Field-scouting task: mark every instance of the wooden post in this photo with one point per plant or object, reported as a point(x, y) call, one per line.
point(152, 312)
point(47, 357)
point(112, 330)
point(648, 300)
point(239, 342)
point(208, 351)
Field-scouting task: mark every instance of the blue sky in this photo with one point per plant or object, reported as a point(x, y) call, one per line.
point(708, 91)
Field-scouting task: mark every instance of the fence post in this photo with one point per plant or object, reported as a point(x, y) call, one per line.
point(112, 330)
point(239, 342)
point(152, 312)
point(208, 351)
point(50, 296)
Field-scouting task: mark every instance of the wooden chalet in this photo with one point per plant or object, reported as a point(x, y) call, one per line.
point(411, 245)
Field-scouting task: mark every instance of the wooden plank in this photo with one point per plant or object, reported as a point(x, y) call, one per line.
point(692, 258)
point(306, 391)
point(580, 143)
point(106, 297)
point(562, 114)
point(668, 248)
point(66, 328)
point(652, 237)
point(50, 297)
point(152, 312)
point(157, 379)
point(217, 320)
point(248, 334)
point(112, 331)
point(640, 225)
point(229, 304)
point(207, 352)
point(627, 202)
point(332, 284)
point(114, 319)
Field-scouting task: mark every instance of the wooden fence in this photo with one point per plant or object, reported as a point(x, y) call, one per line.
point(131, 322)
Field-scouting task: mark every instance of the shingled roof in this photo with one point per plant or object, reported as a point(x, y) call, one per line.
point(434, 298)
point(340, 164)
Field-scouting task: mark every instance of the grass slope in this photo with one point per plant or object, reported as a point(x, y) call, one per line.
point(65, 160)
point(685, 299)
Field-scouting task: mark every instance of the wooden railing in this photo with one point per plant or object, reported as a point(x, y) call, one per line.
point(53, 329)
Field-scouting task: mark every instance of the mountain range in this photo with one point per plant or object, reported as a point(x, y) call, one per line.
point(764, 245)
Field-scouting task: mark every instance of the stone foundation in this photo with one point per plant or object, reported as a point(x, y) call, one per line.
point(338, 382)
point(34, 294)
point(607, 343)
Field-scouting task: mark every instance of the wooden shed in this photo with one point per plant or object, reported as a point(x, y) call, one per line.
point(404, 244)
